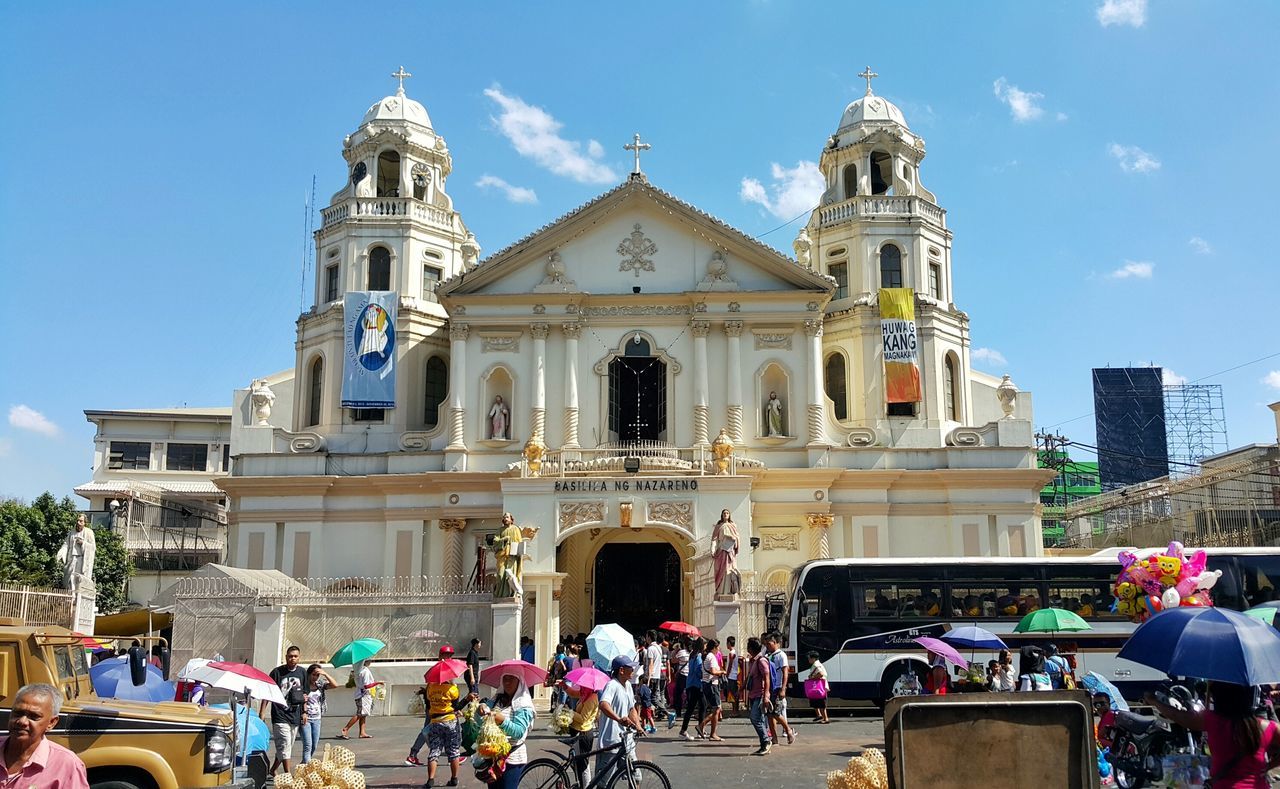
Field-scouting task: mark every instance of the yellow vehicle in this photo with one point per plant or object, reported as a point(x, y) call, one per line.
point(124, 744)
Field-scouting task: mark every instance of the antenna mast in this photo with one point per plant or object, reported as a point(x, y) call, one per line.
point(308, 242)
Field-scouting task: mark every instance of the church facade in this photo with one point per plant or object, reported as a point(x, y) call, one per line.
point(587, 378)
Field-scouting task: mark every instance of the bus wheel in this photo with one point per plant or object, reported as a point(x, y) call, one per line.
point(895, 680)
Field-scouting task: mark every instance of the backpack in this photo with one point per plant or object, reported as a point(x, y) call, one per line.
point(775, 674)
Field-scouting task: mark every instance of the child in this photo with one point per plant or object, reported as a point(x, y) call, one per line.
point(818, 672)
point(645, 695)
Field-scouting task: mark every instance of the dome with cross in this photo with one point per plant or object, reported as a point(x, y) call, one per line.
point(870, 108)
point(398, 107)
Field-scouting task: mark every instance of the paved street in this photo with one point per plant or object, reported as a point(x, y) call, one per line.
point(817, 750)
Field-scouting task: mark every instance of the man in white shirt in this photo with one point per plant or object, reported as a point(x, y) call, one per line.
point(654, 670)
point(730, 685)
point(617, 713)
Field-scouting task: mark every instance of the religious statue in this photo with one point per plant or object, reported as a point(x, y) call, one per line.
point(508, 549)
point(773, 415)
point(499, 419)
point(802, 246)
point(724, 542)
point(263, 398)
point(77, 554)
point(1007, 394)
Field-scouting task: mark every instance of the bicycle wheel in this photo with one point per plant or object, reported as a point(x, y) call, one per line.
point(546, 774)
point(644, 775)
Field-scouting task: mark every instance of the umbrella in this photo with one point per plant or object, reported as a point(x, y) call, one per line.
point(237, 678)
point(259, 732)
point(606, 642)
point(587, 677)
point(975, 637)
point(1095, 683)
point(680, 627)
point(1207, 643)
point(92, 644)
point(943, 650)
point(1263, 614)
point(446, 670)
point(112, 679)
point(192, 665)
point(527, 672)
point(1051, 620)
point(356, 651)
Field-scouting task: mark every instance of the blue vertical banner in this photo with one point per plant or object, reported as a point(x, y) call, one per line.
point(369, 348)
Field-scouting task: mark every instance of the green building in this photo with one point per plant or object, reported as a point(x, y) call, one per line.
point(1075, 481)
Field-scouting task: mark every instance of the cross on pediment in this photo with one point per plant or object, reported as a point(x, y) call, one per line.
point(637, 146)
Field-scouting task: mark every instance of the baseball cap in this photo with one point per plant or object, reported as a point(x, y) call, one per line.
point(621, 661)
point(446, 650)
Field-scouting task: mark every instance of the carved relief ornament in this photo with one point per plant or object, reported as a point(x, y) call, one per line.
point(780, 539)
point(676, 513)
point(773, 339)
point(576, 513)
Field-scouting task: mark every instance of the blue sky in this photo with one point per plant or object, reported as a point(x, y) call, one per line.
point(1108, 169)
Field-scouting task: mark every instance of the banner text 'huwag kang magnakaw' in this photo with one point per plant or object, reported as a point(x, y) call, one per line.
point(369, 349)
point(901, 346)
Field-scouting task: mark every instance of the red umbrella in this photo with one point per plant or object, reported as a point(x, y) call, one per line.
point(446, 670)
point(680, 627)
point(527, 672)
point(92, 643)
point(238, 678)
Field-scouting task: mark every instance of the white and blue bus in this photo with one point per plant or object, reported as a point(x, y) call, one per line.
point(861, 615)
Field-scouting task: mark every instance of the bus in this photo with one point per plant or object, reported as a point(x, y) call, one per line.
point(862, 615)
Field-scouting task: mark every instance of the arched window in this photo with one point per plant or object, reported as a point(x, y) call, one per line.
point(850, 181)
point(890, 266)
point(315, 392)
point(379, 269)
point(949, 391)
point(436, 387)
point(388, 174)
point(881, 173)
point(837, 385)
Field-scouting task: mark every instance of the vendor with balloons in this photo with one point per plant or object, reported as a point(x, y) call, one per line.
point(1171, 579)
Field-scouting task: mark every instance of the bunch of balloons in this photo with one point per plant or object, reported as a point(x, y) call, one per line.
point(1150, 584)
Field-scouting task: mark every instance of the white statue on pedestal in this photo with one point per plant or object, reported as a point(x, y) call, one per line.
point(77, 554)
point(263, 398)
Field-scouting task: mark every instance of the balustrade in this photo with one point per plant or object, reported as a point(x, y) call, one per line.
point(881, 206)
point(366, 207)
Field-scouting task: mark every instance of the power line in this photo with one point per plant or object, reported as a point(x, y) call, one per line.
point(784, 224)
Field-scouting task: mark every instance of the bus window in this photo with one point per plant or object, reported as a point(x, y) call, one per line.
point(973, 601)
point(1258, 576)
point(1017, 600)
point(823, 600)
point(1227, 592)
point(886, 600)
point(1089, 599)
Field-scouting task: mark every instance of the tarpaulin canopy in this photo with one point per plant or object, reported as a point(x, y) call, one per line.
point(131, 623)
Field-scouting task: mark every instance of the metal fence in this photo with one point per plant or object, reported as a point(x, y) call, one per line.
point(37, 605)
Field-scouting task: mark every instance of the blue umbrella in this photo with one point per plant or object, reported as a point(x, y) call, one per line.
point(1207, 643)
point(1095, 683)
point(606, 642)
point(112, 680)
point(974, 636)
point(259, 733)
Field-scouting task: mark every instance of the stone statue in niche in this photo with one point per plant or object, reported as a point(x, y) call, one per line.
point(499, 419)
point(262, 398)
point(773, 416)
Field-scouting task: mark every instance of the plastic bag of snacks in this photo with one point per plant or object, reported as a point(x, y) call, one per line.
point(470, 727)
point(560, 720)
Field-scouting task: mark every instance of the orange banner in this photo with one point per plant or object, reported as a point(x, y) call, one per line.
point(901, 355)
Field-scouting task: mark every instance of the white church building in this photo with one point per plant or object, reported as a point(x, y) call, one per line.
point(579, 377)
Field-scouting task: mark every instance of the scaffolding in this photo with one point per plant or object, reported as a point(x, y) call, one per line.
point(1130, 418)
point(1195, 425)
point(1231, 501)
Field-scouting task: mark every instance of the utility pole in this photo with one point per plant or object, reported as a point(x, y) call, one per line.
point(1051, 450)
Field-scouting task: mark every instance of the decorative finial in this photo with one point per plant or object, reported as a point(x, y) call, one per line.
point(868, 75)
point(637, 146)
point(402, 74)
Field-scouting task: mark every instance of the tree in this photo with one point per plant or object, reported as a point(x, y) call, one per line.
point(31, 535)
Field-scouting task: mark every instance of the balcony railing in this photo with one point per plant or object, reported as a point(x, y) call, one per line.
point(881, 206)
point(652, 458)
point(385, 207)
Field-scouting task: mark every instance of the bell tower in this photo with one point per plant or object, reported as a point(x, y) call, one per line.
point(391, 227)
point(877, 226)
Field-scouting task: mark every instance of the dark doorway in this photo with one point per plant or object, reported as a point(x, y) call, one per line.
point(637, 585)
point(638, 398)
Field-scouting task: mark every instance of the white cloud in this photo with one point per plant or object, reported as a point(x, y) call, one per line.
point(1134, 269)
point(792, 192)
point(1023, 104)
point(987, 357)
point(27, 418)
point(515, 194)
point(1123, 12)
point(1272, 379)
point(535, 134)
point(1061, 116)
point(1200, 246)
point(1133, 159)
point(1170, 378)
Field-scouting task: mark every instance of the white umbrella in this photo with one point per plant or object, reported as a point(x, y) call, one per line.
point(238, 678)
point(606, 642)
point(192, 665)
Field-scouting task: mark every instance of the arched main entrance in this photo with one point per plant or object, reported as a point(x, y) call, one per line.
point(637, 585)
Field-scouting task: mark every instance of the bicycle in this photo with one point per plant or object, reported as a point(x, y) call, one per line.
point(562, 772)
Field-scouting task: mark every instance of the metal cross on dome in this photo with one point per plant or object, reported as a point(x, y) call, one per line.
point(868, 75)
point(637, 146)
point(401, 75)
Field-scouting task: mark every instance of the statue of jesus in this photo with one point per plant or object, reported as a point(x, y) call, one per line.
point(77, 553)
point(499, 418)
point(773, 415)
point(724, 543)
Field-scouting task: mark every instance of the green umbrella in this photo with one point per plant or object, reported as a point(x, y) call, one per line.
point(1265, 613)
point(356, 651)
point(1051, 620)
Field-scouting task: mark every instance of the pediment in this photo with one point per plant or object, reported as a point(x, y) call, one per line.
point(636, 236)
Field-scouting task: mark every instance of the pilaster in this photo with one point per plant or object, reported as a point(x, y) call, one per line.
point(700, 382)
point(733, 329)
point(571, 333)
point(538, 414)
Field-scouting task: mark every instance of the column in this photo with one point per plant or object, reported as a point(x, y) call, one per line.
point(817, 431)
point(571, 332)
point(458, 385)
point(819, 535)
point(700, 386)
point(452, 571)
point(538, 415)
point(734, 330)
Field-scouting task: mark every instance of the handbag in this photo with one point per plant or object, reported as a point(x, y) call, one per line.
point(815, 689)
point(492, 772)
